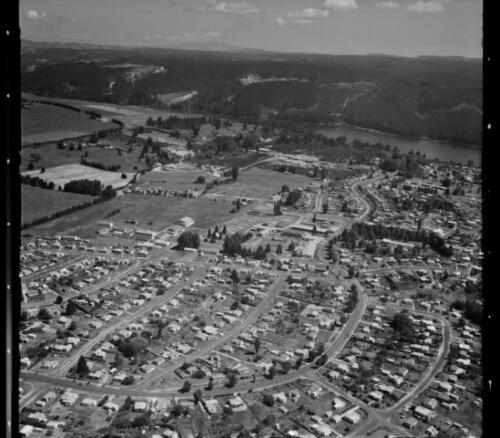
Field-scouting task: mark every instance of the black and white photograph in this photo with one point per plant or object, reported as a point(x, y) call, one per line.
point(249, 218)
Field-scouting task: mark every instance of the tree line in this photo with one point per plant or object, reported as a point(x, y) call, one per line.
point(351, 237)
point(62, 213)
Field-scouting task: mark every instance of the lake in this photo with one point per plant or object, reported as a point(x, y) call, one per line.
point(442, 150)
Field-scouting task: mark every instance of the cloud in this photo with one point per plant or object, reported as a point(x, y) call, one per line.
point(309, 13)
point(303, 16)
point(231, 8)
point(340, 5)
point(387, 5)
point(280, 21)
point(35, 15)
point(428, 6)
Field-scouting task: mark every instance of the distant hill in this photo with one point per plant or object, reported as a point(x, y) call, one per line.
point(437, 97)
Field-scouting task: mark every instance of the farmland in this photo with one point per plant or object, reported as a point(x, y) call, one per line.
point(37, 202)
point(43, 123)
point(60, 175)
point(113, 151)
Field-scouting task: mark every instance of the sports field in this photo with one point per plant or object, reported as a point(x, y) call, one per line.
point(157, 212)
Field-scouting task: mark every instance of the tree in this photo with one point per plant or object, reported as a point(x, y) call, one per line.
point(403, 326)
point(72, 326)
point(129, 380)
point(210, 385)
point(197, 396)
point(279, 249)
point(201, 179)
point(118, 361)
point(299, 362)
point(44, 315)
point(186, 387)
point(128, 404)
point(82, 369)
point(322, 360)
point(325, 208)
point(256, 345)
point(234, 172)
point(268, 400)
point(285, 188)
point(272, 372)
point(234, 277)
point(286, 366)
point(58, 299)
point(294, 196)
point(267, 249)
point(71, 308)
point(277, 208)
point(232, 380)
point(188, 239)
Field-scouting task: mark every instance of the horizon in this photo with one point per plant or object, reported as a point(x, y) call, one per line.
point(405, 28)
point(246, 50)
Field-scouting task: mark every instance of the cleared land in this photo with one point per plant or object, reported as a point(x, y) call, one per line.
point(60, 175)
point(128, 114)
point(41, 123)
point(260, 183)
point(37, 203)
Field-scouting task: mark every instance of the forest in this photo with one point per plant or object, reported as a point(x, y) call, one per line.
point(428, 96)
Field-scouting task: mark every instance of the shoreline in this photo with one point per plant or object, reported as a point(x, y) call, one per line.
point(474, 146)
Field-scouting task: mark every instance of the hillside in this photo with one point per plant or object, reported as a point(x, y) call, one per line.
point(429, 96)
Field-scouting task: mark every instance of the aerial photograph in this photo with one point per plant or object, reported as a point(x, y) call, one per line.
point(251, 218)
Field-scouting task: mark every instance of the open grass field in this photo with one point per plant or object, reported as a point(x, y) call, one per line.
point(49, 155)
point(37, 202)
point(60, 175)
point(260, 183)
point(158, 210)
point(42, 123)
point(175, 179)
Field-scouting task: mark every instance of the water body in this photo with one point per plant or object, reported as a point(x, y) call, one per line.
point(442, 150)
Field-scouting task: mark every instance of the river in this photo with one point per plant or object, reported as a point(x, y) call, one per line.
point(442, 150)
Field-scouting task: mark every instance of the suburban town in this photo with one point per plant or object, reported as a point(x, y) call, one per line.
point(249, 219)
point(286, 296)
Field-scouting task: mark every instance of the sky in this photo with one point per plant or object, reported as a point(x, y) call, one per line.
point(393, 27)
